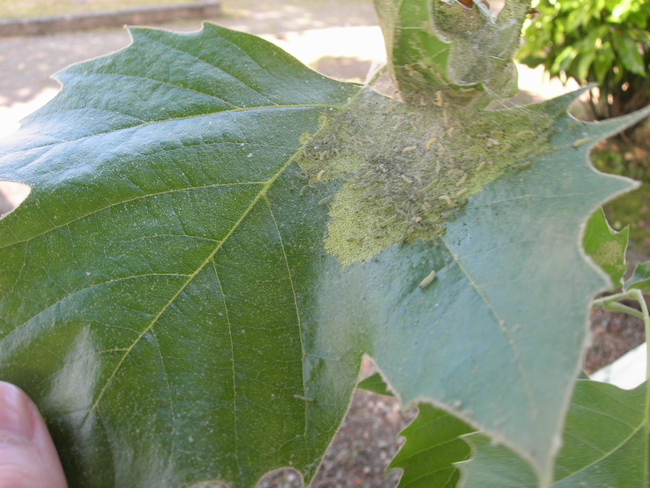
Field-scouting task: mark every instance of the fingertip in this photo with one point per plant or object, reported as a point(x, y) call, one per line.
point(28, 458)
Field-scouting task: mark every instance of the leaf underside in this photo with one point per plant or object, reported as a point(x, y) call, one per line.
point(168, 302)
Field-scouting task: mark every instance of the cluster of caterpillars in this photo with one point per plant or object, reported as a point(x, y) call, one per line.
point(406, 169)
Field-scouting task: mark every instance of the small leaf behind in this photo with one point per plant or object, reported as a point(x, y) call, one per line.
point(432, 445)
point(375, 384)
point(605, 444)
point(640, 279)
point(606, 246)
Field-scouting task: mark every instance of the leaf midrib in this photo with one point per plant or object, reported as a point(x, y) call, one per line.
point(504, 331)
point(129, 200)
point(235, 226)
point(154, 122)
point(607, 453)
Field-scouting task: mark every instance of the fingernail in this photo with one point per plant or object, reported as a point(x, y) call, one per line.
point(15, 416)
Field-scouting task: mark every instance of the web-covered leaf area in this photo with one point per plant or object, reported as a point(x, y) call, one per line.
point(151, 287)
point(459, 49)
point(409, 169)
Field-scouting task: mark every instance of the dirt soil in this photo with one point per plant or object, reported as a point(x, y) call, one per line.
point(367, 439)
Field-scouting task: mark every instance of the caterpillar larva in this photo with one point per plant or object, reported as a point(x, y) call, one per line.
point(319, 177)
point(326, 199)
point(462, 180)
point(439, 102)
point(405, 178)
point(427, 280)
point(429, 142)
point(388, 220)
point(446, 199)
point(304, 399)
point(580, 142)
point(480, 166)
point(410, 148)
point(504, 150)
point(521, 165)
point(460, 192)
point(430, 184)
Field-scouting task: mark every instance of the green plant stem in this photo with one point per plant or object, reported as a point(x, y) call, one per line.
point(611, 304)
point(637, 295)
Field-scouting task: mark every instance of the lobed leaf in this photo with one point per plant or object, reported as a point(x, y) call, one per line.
point(170, 302)
point(433, 444)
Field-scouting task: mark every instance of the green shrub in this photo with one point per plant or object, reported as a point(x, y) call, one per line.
point(602, 41)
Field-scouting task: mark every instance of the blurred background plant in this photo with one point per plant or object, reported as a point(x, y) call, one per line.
point(601, 41)
point(605, 42)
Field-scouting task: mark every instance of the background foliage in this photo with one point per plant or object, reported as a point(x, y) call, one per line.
point(602, 41)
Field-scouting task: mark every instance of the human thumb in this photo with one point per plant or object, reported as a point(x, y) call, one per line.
point(28, 458)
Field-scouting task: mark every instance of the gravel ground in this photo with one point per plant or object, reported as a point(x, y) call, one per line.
point(612, 335)
point(361, 450)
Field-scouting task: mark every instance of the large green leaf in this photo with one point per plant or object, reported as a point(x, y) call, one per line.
point(156, 283)
point(606, 246)
point(606, 442)
point(169, 300)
